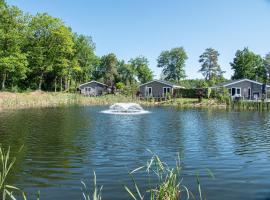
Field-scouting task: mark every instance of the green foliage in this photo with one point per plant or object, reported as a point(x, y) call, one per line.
point(221, 94)
point(126, 73)
point(267, 65)
point(190, 93)
point(85, 58)
point(120, 86)
point(140, 66)
point(108, 68)
point(247, 64)
point(164, 182)
point(50, 47)
point(173, 63)
point(7, 191)
point(13, 61)
point(210, 68)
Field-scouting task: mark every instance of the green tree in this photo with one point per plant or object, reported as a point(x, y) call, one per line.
point(126, 73)
point(141, 68)
point(50, 47)
point(108, 68)
point(247, 64)
point(86, 58)
point(210, 68)
point(63, 49)
point(267, 65)
point(173, 63)
point(13, 61)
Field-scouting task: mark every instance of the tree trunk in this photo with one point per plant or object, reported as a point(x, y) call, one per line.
point(66, 83)
point(61, 84)
point(55, 84)
point(40, 81)
point(4, 80)
point(69, 83)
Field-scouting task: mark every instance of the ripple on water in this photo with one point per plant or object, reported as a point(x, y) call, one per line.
point(62, 146)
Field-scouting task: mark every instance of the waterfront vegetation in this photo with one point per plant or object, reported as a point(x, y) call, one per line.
point(39, 99)
point(164, 182)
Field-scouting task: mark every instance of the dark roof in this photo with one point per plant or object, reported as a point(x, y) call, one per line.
point(164, 82)
point(94, 82)
point(231, 82)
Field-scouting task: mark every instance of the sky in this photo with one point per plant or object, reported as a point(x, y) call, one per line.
point(130, 28)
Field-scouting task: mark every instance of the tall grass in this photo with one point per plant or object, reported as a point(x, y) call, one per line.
point(97, 191)
point(51, 99)
point(8, 191)
point(164, 182)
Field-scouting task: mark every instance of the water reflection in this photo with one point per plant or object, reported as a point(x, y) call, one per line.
point(63, 146)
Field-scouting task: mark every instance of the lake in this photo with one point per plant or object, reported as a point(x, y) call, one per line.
point(63, 146)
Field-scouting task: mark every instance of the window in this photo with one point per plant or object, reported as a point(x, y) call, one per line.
point(233, 91)
point(236, 91)
point(166, 90)
point(148, 91)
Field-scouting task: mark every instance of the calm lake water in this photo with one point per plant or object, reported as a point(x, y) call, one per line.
point(62, 146)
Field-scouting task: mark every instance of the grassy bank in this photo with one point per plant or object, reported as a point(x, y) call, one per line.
point(50, 99)
point(39, 99)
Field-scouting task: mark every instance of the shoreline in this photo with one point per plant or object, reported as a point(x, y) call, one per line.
point(40, 99)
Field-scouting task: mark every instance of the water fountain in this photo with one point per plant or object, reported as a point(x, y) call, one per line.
point(125, 108)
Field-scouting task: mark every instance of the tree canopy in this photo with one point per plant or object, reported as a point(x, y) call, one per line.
point(173, 64)
point(42, 52)
point(267, 65)
point(210, 68)
point(247, 64)
point(141, 68)
point(13, 60)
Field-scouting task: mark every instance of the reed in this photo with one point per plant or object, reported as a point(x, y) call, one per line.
point(97, 191)
point(165, 183)
point(51, 99)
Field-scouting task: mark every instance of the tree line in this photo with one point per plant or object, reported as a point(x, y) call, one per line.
point(42, 52)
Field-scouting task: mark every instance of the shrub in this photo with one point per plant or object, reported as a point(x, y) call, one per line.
point(221, 94)
point(190, 93)
point(120, 86)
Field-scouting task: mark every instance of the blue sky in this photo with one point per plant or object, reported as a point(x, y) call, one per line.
point(130, 28)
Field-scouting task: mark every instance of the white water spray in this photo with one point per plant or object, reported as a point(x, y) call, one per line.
point(126, 109)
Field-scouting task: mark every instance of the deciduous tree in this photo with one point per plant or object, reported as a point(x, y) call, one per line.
point(247, 64)
point(173, 64)
point(267, 65)
point(50, 47)
point(13, 60)
point(141, 68)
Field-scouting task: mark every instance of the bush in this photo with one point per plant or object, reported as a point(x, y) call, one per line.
point(190, 93)
point(221, 94)
point(120, 86)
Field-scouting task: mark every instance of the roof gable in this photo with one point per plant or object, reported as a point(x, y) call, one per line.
point(93, 82)
point(232, 82)
point(163, 82)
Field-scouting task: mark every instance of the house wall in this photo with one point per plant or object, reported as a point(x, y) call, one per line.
point(96, 89)
point(157, 89)
point(255, 88)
